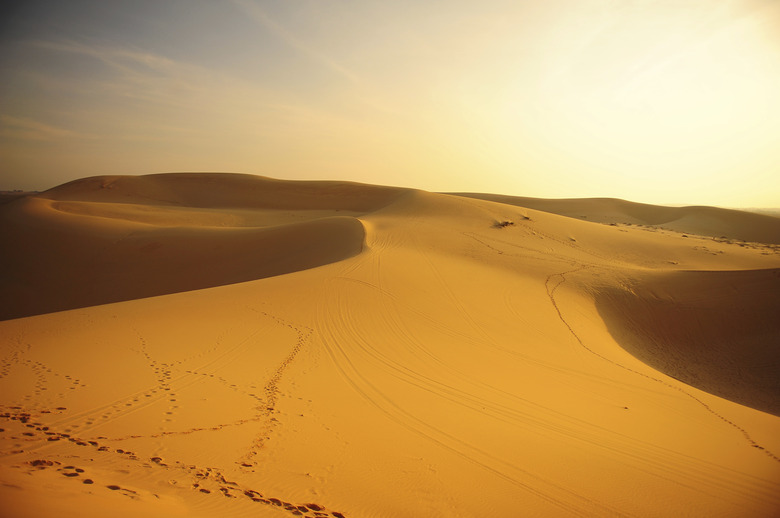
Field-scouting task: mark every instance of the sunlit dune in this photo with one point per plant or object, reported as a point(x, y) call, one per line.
point(228, 345)
point(706, 221)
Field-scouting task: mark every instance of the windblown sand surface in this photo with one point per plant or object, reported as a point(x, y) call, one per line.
point(228, 346)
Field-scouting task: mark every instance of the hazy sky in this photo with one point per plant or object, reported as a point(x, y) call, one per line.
point(665, 101)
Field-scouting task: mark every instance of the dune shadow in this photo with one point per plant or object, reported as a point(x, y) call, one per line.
point(72, 271)
point(716, 331)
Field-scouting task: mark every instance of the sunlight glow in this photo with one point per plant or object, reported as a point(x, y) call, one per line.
point(629, 106)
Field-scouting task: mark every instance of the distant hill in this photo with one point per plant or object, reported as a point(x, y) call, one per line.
point(754, 226)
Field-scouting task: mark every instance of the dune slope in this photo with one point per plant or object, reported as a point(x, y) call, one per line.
point(706, 221)
point(717, 331)
point(468, 359)
point(109, 239)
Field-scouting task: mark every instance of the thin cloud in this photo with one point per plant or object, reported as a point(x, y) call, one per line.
point(25, 128)
point(150, 77)
point(144, 76)
point(166, 89)
point(260, 16)
point(118, 58)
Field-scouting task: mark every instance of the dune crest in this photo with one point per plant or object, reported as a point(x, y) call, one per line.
point(109, 239)
point(226, 190)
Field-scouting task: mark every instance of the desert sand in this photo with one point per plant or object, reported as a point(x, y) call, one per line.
point(216, 345)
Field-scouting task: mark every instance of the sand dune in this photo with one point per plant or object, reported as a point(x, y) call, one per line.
point(335, 349)
point(705, 221)
point(102, 240)
point(225, 190)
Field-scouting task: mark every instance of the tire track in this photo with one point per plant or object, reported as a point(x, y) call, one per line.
point(342, 340)
point(350, 343)
point(551, 294)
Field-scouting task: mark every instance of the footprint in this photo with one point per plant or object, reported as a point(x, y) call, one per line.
point(42, 463)
point(71, 471)
point(127, 492)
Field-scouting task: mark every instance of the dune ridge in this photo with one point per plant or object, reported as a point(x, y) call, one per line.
point(226, 190)
point(371, 351)
point(707, 221)
point(152, 235)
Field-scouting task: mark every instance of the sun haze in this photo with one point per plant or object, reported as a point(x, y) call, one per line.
point(659, 102)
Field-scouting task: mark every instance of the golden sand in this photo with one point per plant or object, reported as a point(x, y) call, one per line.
point(226, 346)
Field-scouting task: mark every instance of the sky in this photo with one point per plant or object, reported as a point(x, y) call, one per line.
point(662, 101)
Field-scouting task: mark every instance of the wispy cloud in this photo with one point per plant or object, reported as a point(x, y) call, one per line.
point(118, 58)
point(170, 99)
point(252, 9)
point(25, 128)
point(132, 66)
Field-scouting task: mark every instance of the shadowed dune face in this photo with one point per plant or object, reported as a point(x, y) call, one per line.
point(103, 240)
point(717, 331)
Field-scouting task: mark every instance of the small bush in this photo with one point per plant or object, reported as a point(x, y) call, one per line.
point(502, 224)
